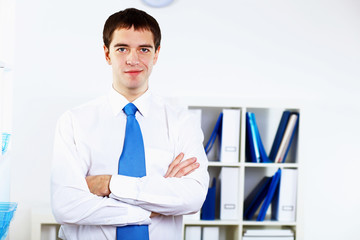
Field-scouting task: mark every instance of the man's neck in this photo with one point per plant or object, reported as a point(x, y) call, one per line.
point(131, 95)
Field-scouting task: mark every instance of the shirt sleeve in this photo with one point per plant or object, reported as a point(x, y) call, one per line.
point(170, 196)
point(71, 200)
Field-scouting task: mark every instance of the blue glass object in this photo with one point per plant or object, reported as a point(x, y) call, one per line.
point(5, 142)
point(7, 210)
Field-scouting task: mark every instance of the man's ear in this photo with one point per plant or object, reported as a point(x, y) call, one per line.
point(107, 57)
point(156, 55)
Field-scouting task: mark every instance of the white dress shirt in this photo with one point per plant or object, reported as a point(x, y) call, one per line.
point(89, 141)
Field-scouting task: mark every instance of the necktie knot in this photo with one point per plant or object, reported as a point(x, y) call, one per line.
point(130, 109)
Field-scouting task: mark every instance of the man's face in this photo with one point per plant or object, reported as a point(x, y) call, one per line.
point(132, 56)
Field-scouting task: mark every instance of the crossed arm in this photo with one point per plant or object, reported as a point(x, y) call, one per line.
point(78, 200)
point(100, 184)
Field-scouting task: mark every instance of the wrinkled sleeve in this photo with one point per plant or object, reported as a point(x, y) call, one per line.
point(170, 196)
point(71, 200)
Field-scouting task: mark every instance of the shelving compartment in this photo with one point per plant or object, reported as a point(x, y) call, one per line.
point(226, 231)
point(268, 120)
point(253, 176)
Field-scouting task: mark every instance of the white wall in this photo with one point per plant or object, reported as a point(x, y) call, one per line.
point(299, 52)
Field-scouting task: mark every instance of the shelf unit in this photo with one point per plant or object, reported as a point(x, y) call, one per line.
point(267, 117)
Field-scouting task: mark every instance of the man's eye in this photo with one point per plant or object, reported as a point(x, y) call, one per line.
point(121, 49)
point(144, 50)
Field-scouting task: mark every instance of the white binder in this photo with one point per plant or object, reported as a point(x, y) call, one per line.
point(230, 135)
point(229, 193)
point(210, 233)
point(266, 234)
point(285, 204)
point(286, 138)
point(193, 233)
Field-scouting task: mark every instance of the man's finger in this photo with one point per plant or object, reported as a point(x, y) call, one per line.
point(187, 170)
point(180, 167)
point(176, 161)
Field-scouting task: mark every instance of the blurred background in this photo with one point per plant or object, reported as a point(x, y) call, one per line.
point(305, 53)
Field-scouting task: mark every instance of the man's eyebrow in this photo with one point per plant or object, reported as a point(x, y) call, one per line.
point(147, 46)
point(127, 45)
point(121, 45)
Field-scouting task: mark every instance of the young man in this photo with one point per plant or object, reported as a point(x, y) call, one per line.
point(91, 196)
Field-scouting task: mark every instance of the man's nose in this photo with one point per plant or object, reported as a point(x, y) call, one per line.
point(132, 58)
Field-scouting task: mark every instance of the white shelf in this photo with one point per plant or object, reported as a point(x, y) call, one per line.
point(255, 165)
point(268, 116)
point(272, 165)
point(222, 164)
point(234, 102)
point(211, 223)
point(268, 223)
point(236, 223)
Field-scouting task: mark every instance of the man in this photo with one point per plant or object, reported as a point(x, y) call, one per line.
point(91, 197)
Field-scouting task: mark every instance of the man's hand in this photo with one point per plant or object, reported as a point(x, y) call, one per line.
point(179, 168)
point(99, 184)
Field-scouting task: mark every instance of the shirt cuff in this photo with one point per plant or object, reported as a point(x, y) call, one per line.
point(138, 216)
point(124, 187)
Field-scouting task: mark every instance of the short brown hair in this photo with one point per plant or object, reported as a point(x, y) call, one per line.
point(131, 17)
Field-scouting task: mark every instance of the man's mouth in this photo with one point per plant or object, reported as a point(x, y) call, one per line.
point(133, 72)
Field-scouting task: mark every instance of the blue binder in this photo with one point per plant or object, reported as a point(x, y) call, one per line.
point(216, 132)
point(263, 155)
point(256, 197)
point(208, 208)
point(255, 147)
point(252, 148)
point(270, 195)
point(279, 135)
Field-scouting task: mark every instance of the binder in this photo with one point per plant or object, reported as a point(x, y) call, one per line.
point(229, 193)
point(267, 238)
point(284, 204)
point(287, 138)
point(255, 151)
point(215, 133)
point(193, 233)
point(279, 134)
point(274, 185)
point(210, 233)
point(266, 234)
point(255, 148)
point(263, 155)
point(292, 137)
point(208, 208)
point(269, 232)
point(252, 148)
point(256, 197)
point(230, 136)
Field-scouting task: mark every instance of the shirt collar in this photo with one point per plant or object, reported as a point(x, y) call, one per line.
point(118, 102)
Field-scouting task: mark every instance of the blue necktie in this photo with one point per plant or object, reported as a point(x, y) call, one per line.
point(132, 163)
